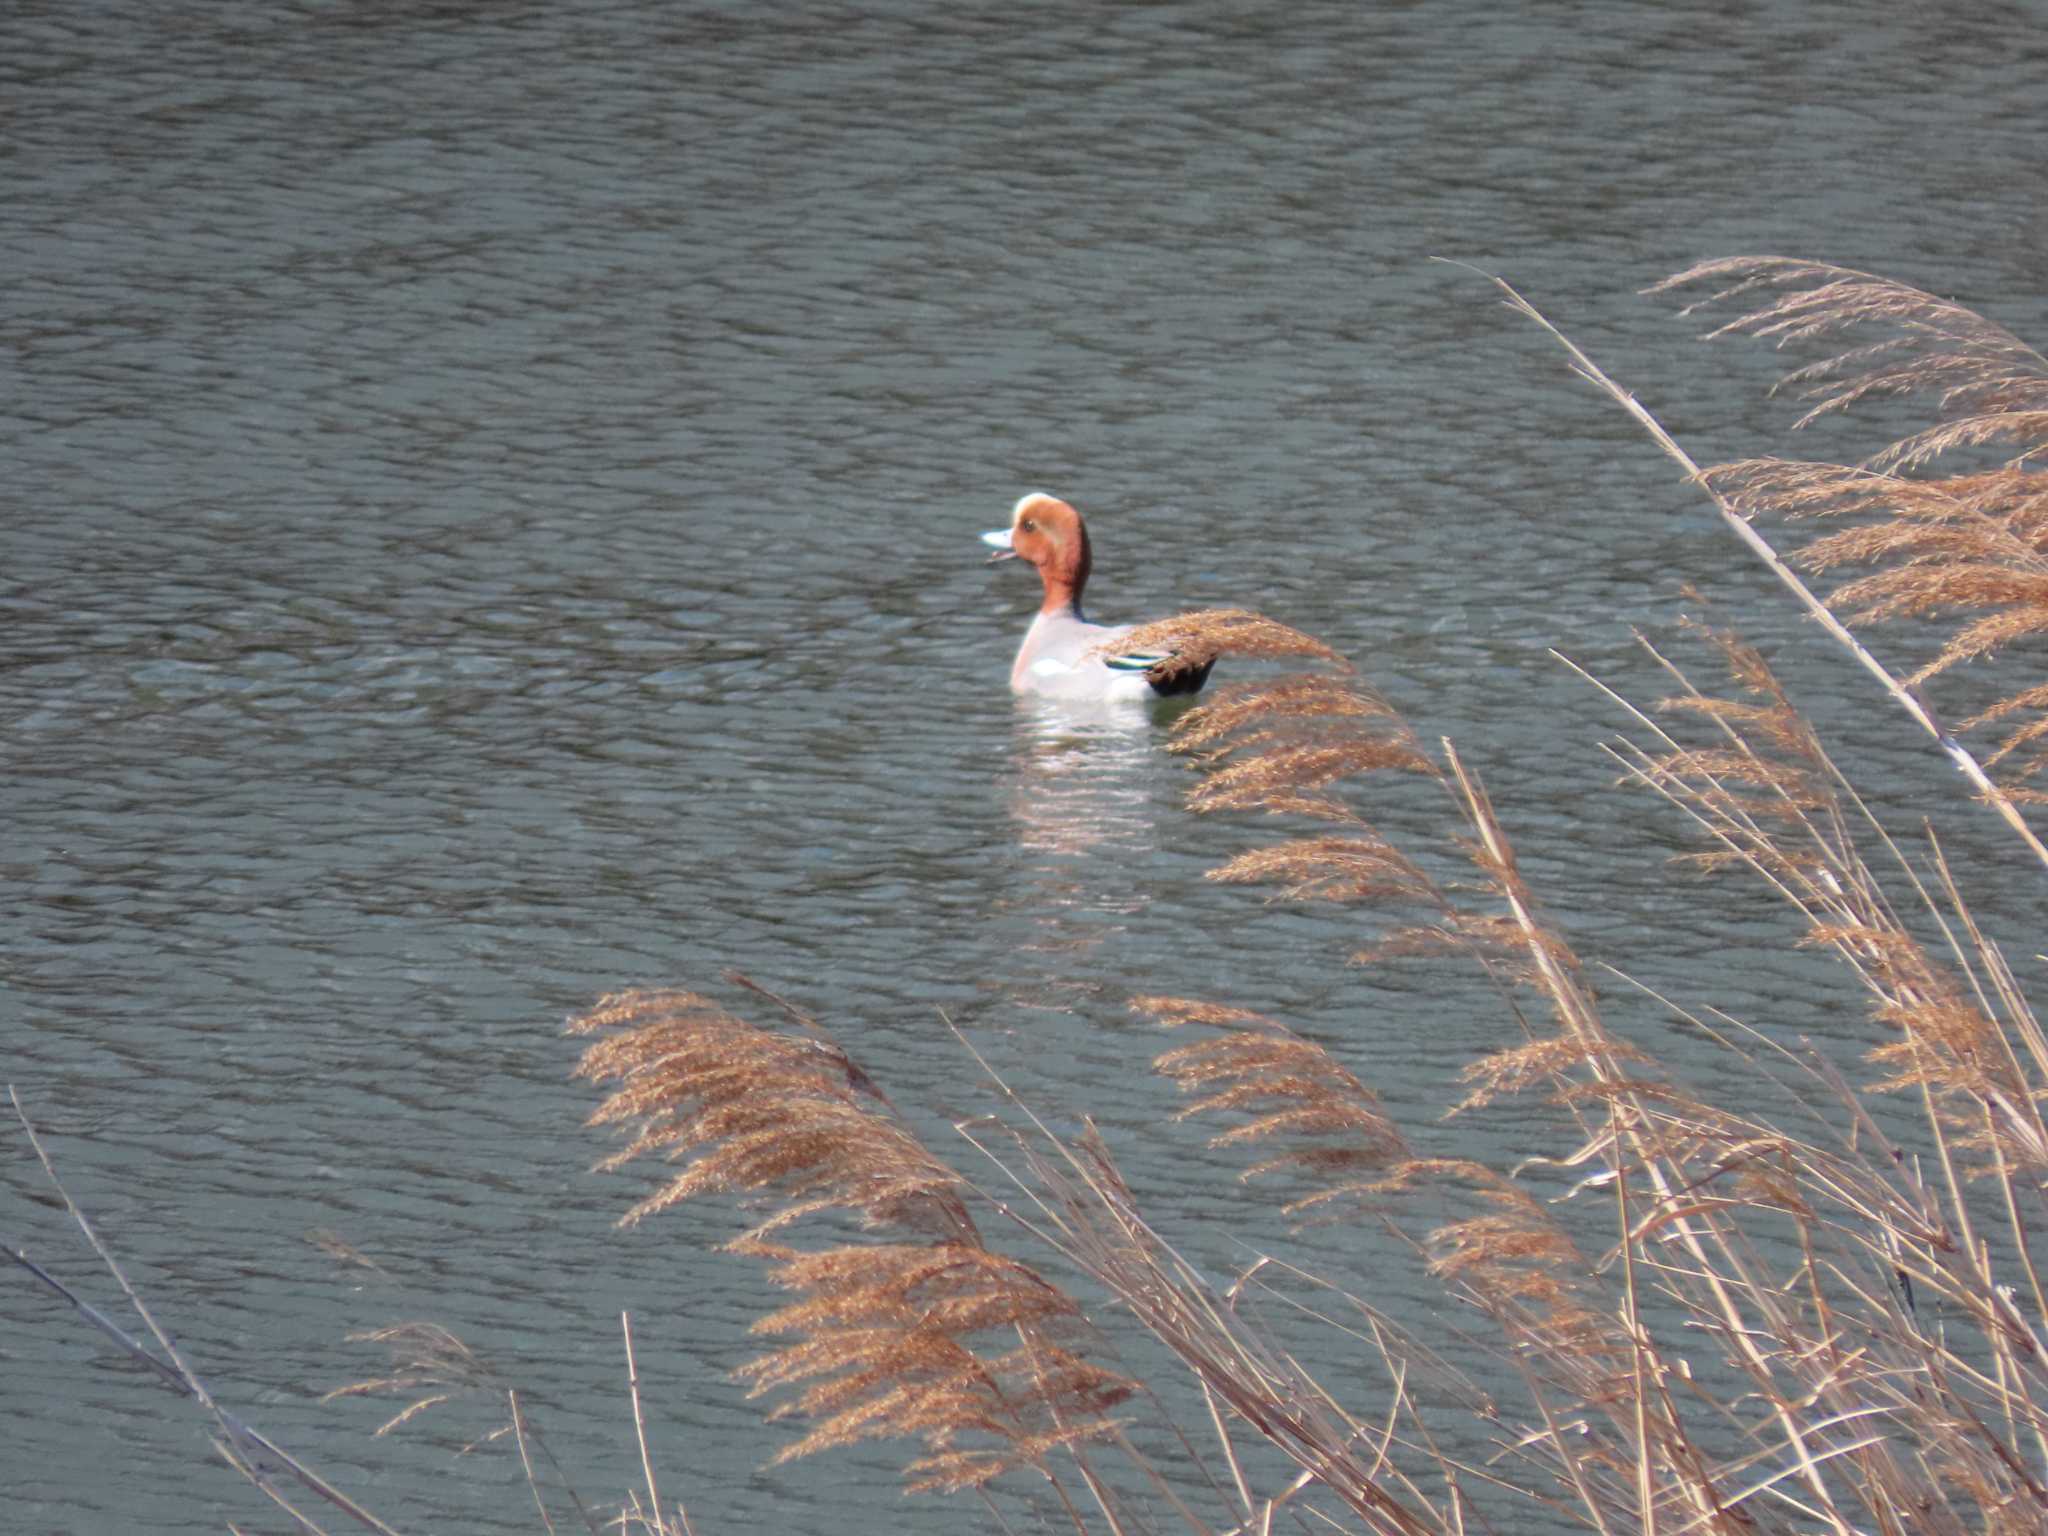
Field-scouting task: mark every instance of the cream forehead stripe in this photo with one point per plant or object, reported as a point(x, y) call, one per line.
point(1025, 500)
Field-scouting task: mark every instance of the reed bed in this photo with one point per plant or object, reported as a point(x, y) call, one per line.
point(1701, 1317)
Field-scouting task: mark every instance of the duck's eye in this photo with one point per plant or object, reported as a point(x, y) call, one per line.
point(1027, 526)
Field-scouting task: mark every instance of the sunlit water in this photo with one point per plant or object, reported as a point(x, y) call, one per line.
point(490, 507)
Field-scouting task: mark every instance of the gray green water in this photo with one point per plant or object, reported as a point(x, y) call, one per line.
point(490, 498)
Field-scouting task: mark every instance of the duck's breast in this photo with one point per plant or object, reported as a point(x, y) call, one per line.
point(1057, 659)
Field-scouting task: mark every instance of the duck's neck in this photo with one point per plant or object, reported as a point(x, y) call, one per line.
point(1065, 574)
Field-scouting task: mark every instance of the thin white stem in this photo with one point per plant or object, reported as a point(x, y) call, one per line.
point(640, 1426)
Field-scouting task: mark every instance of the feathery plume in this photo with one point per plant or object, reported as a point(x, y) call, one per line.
point(1969, 548)
point(1198, 639)
point(1991, 385)
point(1328, 1124)
point(762, 1110)
point(888, 1337)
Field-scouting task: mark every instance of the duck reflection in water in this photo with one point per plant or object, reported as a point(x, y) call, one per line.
point(1084, 800)
point(1084, 781)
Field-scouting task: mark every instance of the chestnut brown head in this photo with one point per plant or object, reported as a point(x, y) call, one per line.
point(1049, 534)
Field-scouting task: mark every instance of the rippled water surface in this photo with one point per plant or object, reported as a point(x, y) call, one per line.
point(490, 498)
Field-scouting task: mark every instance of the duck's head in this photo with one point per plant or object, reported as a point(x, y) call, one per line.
point(1049, 534)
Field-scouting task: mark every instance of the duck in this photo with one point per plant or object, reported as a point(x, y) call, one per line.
point(1060, 657)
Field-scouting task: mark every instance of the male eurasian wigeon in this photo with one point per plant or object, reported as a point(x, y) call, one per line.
point(1055, 659)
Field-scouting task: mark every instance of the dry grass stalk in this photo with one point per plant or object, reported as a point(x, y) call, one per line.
point(342, 1251)
point(649, 1517)
point(1512, 1260)
point(1973, 545)
point(261, 1461)
point(1293, 747)
point(1950, 1040)
point(434, 1366)
point(1516, 1260)
point(1762, 785)
point(1085, 1209)
point(1285, 722)
point(1285, 747)
point(888, 1337)
point(1852, 1413)
point(1637, 1129)
point(1268, 748)
point(426, 1359)
point(1963, 1398)
point(1342, 867)
point(882, 1351)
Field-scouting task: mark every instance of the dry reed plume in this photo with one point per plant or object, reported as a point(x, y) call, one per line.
point(1969, 547)
point(889, 1337)
point(1329, 1125)
point(1198, 639)
point(762, 1110)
